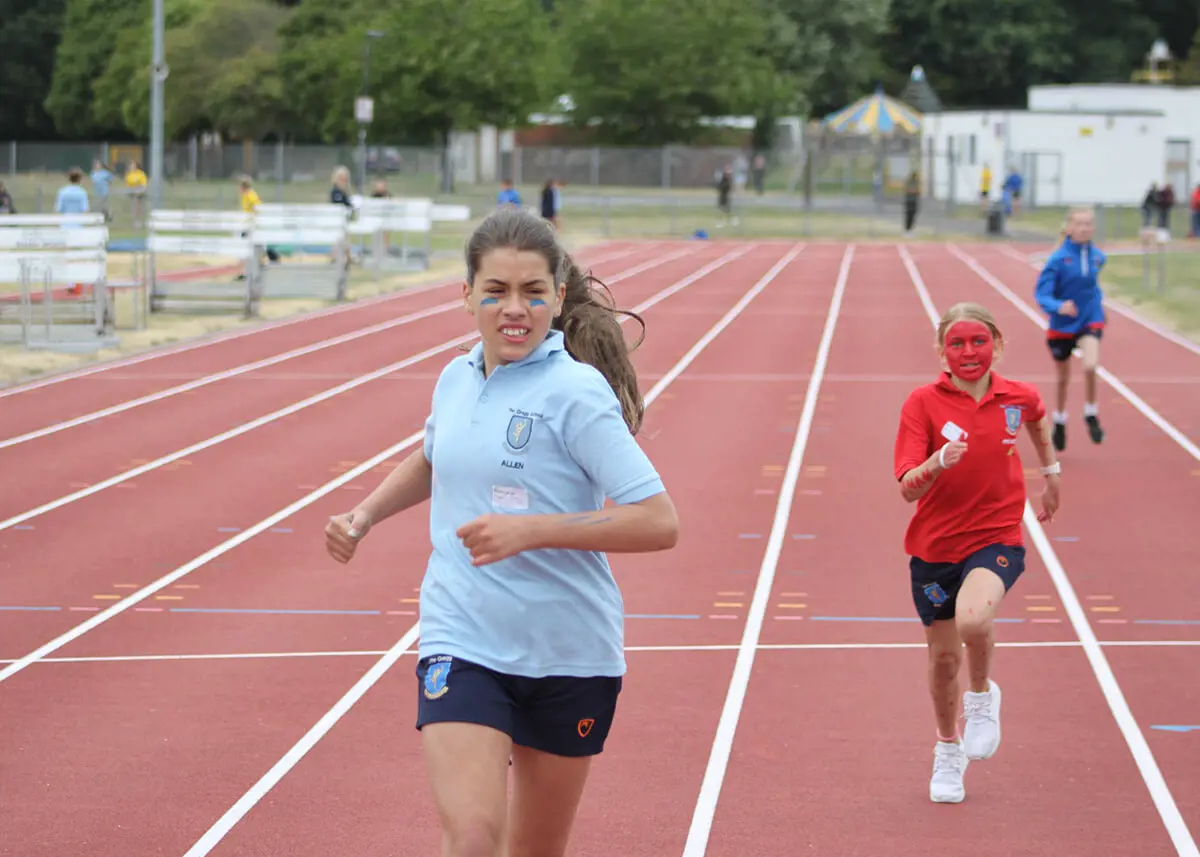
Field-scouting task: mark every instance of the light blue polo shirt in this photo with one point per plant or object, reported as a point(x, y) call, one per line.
point(543, 435)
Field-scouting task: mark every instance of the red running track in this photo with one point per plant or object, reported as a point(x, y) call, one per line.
point(830, 752)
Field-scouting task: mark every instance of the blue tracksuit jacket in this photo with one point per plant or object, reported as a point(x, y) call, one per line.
point(1072, 273)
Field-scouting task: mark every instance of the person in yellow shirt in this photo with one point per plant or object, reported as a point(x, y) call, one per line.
point(249, 200)
point(137, 182)
point(985, 186)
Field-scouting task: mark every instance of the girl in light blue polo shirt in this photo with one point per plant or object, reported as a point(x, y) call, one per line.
point(522, 630)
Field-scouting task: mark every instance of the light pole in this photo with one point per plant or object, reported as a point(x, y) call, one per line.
point(158, 75)
point(364, 108)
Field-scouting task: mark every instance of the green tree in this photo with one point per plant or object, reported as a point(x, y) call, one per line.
point(29, 38)
point(979, 53)
point(211, 46)
point(92, 29)
point(649, 72)
point(439, 66)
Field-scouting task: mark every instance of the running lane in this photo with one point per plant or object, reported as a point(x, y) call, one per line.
point(101, 387)
point(1126, 531)
point(104, 546)
point(671, 699)
point(1132, 491)
point(1165, 374)
point(44, 468)
point(833, 750)
point(234, 723)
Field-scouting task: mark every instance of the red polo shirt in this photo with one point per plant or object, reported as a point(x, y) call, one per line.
point(979, 501)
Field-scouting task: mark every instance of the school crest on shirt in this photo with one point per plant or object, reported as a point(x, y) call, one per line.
point(520, 429)
point(1012, 418)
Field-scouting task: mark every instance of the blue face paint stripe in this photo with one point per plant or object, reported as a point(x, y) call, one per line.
point(537, 302)
point(488, 301)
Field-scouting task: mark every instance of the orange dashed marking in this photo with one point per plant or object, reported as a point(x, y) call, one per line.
point(792, 606)
point(187, 585)
point(794, 594)
point(1100, 598)
point(731, 593)
point(410, 600)
point(1041, 609)
point(106, 597)
point(728, 604)
point(1106, 609)
point(168, 597)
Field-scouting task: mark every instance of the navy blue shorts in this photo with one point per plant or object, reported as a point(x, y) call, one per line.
point(1061, 347)
point(935, 585)
point(561, 715)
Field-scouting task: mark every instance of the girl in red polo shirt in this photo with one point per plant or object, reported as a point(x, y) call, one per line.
point(956, 456)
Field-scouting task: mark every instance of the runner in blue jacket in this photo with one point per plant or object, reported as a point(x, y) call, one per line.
point(1068, 291)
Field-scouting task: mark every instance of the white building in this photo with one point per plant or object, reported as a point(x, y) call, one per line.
point(1180, 105)
point(1092, 155)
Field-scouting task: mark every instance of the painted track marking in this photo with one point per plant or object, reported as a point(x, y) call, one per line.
point(1111, 379)
point(718, 760)
point(217, 832)
point(306, 501)
point(1164, 801)
point(684, 647)
point(274, 360)
point(295, 407)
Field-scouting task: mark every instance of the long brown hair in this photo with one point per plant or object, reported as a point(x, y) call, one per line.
point(588, 320)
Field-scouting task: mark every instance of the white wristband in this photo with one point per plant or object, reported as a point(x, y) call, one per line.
point(942, 458)
point(1053, 470)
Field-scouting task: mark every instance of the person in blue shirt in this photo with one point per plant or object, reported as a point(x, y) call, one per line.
point(521, 657)
point(508, 194)
point(102, 177)
point(1068, 291)
point(72, 198)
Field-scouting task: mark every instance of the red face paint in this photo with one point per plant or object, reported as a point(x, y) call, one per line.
point(969, 347)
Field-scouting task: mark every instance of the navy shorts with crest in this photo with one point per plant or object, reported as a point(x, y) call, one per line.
point(560, 715)
point(935, 585)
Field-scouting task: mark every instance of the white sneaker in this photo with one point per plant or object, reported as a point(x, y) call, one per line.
point(949, 764)
point(981, 737)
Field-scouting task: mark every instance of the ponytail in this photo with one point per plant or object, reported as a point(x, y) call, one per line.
point(593, 335)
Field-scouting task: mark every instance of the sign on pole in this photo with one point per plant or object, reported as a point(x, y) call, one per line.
point(364, 109)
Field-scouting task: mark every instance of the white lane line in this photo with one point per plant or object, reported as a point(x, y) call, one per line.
point(265, 327)
point(1111, 379)
point(274, 416)
point(1185, 846)
point(722, 747)
point(313, 348)
point(217, 832)
point(304, 502)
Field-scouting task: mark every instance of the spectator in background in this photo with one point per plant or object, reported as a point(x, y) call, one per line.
point(340, 193)
point(724, 189)
point(102, 177)
point(1150, 206)
point(985, 186)
point(1166, 201)
point(508, 195)
point(137, 182)
point(1012, 192)
point(759, 173)
point(549, 203)
point(912, 201)
point(1195, 210)
point(6, 201)
point(72, 199)
point(380, 191)
point(249, 201)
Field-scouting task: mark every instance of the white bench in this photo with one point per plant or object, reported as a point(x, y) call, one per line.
point(41, 255)
point(379, 218)
point(209, 234)
point(307, 230)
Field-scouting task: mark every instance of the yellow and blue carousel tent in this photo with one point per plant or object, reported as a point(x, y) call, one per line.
point(874, 114)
